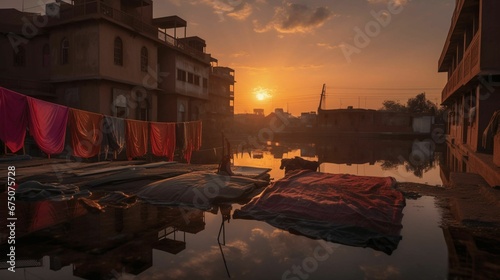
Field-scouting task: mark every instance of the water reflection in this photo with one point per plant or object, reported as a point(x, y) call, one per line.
point(405, 160)
point(66, 240)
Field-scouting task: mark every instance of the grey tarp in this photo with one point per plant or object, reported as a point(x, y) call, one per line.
point(200, 189)
point(34, 191)
point(113, 135)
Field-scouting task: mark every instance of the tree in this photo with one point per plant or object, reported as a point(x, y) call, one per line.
point(420, 104)
point(393, 106)
point(417, 104)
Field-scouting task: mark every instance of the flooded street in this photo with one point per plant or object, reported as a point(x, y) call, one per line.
point(67, 241)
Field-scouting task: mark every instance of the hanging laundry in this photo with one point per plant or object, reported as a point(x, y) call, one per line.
point(137, 138)
point(13, 119)
point(163, 139)
point(192, 138)
point(86, 134)
point(47, 124)
point(113, 140)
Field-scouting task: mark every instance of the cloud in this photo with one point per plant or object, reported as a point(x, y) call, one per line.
point(327, 46)
point(239, 54)
point(236, 9)
point(295, 18)
point(393, 2)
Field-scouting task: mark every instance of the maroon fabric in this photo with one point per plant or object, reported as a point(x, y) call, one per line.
point(162, 137)
point(86, 134)
point(352, 210)
point(13, 119)
point(137, 138)
point(47, 124)
point(192, 138)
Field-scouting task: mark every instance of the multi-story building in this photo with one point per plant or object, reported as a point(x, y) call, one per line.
point(106, 56)
point(471, 58)
point(220, 107)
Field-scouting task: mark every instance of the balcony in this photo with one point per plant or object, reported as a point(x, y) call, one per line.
point(97, 9)
point(467, 69)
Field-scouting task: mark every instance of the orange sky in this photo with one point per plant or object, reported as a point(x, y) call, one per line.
point(366, 51)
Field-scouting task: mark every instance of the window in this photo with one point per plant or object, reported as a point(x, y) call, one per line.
point(144, 59)
point(46, 55)
point(118, 54)
point(20, 57)
point(64, 59)
point(197, 80)
point(181, 75)
point(190, 77)
point(205, 83)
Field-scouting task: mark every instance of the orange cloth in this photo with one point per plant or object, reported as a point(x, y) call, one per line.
point(192, 138)
point(137, 138)
point(85, 131)
point(162, 139)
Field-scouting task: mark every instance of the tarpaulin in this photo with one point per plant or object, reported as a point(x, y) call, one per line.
point(113, 130)
point(351, 210)
point(47, 124)
point(137, 138)
point(13, 119)
point(192, 138)
point(200, 189)
point(162, 137)
point(86, 134)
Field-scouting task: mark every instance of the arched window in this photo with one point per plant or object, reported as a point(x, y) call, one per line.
point(20, 56)
point(144, 59)
point(118, 54)
point(46, 55)
point(64, 51)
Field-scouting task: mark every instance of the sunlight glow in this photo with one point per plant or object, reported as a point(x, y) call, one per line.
point(261, 93)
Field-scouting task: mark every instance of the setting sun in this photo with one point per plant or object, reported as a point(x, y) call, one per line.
point(262, 93)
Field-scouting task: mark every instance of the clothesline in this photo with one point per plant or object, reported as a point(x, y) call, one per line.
point(91, 133)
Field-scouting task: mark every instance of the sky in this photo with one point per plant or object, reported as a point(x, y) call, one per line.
point(283, 51)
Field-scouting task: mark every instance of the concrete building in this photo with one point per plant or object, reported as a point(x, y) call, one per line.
point(470, 57)
point(110, 57)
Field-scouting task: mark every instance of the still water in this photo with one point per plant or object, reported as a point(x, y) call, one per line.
point(149, 242)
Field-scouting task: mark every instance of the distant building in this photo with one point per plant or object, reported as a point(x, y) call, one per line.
point(471, 58)
point(259, 112)
point(110, 57)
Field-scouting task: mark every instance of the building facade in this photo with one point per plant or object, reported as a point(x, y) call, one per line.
point(106, 56)
point(471, 59)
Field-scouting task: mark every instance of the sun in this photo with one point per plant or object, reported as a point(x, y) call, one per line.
point(261, 93)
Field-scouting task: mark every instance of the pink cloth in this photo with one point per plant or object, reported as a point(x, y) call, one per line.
point(86, 134)
point(47, 123)
point(192, 138)
point(137, 138)
point(163, 139)
point(13, 119)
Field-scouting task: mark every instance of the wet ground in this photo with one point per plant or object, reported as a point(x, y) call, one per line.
point(448, 231)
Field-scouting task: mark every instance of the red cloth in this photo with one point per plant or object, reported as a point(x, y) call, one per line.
point(137, 138)
point(86, 134)
point(352, 210)
point(13, 119)
point(163, 139)
point(47, 123)
point(192, 138)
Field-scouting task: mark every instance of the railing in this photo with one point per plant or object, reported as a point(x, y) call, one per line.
point(92, 8)
point(465, 70)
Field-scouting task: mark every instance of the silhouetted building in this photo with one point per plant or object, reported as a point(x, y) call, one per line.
point(470, 57)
